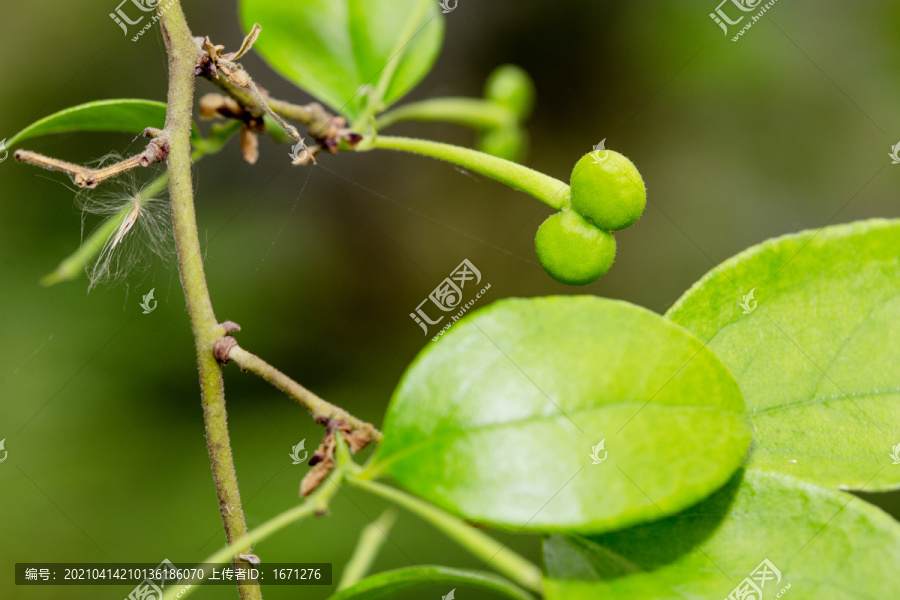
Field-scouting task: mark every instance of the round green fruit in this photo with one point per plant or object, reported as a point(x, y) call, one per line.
point(572, 250)
point(608, 190)
point(511, 86)
point(504, 142)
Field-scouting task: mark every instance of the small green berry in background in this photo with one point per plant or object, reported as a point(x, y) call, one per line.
point(511, 86)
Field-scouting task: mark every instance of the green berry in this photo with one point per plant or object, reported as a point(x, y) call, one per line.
point(608, 190)
point(511, 86)
point(504, 142)
point(572, 250)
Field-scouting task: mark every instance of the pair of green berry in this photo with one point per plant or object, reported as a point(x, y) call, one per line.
point(576, 245)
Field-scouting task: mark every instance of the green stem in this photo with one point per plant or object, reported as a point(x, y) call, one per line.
point(371, 539)
point(480, 544)
point(182, 51)
point(476, 113)
point(315, 504)
point(548, 190)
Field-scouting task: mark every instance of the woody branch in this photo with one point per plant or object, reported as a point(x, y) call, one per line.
point(246, 101)
point(157, 151)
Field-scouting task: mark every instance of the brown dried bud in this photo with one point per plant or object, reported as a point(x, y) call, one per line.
point(223, 347)
point(249, 145)
point(210, 105)
point(323, 462)
point(353, 138)
point(316, 476)
point(239, 78)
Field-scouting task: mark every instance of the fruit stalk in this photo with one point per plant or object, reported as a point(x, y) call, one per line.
point(549, 190)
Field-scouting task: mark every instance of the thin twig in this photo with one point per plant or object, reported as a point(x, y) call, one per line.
point(322, 411)
point(261, 101)
point(328, 129)
point(157, 151)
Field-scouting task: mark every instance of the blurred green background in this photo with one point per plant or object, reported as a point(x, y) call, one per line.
point(788, 129)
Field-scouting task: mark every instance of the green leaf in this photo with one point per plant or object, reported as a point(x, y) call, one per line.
point(390, 583)
point(818, 359)
point(332, 48)
point(497, 421)
point(126, 115)
point(825, 543)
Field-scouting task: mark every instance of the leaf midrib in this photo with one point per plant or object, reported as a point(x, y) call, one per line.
point(434, 438)
point(824, 399)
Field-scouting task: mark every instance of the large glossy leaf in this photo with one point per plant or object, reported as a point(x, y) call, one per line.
point(498, 420)
point(126, 115)
point(332, 48)
point(818, 358)
point(391, 583)
point(825, 544)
